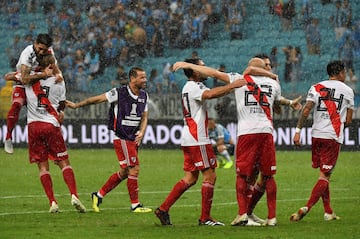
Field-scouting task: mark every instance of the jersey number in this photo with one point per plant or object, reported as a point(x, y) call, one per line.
point(186, 105)
point(46, 90)
point(266, 91)
point(328, 94)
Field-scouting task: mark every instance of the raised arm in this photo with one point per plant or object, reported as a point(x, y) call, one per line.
point(89, 101)
point(257, 71)
point(205, 70)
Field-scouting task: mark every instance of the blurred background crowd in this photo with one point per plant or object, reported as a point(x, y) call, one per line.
point(96, 42)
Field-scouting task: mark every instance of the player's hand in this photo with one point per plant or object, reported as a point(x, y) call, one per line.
point(49, 70)
point(70, 104)
point(239, 83)
point(139, 137)
point(61, 117)
point(179, 65)
point(59, 78)
point(296, 103)
point(296, 139)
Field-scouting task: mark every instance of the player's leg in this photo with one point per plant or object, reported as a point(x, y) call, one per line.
point(58, 153)
point(18, 100)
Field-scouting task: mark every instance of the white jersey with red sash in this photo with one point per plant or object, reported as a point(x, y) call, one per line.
point(254, 103)
point(195, 115)
point(332, 98)
point(43, 99)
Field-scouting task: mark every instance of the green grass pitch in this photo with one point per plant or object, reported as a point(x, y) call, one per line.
point(24, 207)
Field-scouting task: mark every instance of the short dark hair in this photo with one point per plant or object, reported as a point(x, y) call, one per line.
point(262, 56)
point(134, 70)
point(189, 72)
point(44, 38)
point(335, 67)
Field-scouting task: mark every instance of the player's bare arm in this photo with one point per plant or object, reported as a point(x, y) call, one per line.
point(257, 71)
point(223, 90)
point(349, 114)
point(28, 78)
point(303, 117)
point(208, 71)
point(89, 101)
point(295, 103)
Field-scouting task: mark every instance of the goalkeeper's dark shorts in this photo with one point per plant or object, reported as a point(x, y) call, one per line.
point(229, 147)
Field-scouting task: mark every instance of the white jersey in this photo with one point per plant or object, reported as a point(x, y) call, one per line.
point(332, 98)
point(28, 58)
point(195, 115)
point(36, 107)
point(254, 109)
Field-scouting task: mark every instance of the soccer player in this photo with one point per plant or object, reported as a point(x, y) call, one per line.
point(128, 117)
point(333, 104)
point(260, 69)
point(28, 63)
point(222, 143)
point(45, 104)
point(255, 144)
point(257, 188)
point(198, 153)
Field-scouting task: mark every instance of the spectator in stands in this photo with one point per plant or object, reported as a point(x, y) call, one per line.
point(92, 61)
point(287, 16)
point(297, 59)
point(139, 38)
point(346, 47)
point(13, 12)
point(313, 37)
point(81, 78)
point(154, 84)
point(158, 40)
point(121, 77)
point(196, 28)
point(235, 21)
point(289, 52)
point(111, 48)
point(348, 12)
point(13, 51)
point(173, 30)
point(306, 12)
point(273, 59)
point(338, 20)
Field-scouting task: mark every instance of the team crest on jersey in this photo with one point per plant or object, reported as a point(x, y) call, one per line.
point(113, 92)
point(133, 159)
point(212, 161)
point(16, 94)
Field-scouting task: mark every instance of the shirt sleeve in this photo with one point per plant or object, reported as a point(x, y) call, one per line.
point(112, 95)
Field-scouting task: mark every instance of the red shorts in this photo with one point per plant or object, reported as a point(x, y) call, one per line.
point(255, 152)
point(19, 95)
point(325, 153)
point(46, 142)
point(199, 157)
point(127, 152)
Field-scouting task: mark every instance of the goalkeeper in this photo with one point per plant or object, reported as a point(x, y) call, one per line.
point(222, 143)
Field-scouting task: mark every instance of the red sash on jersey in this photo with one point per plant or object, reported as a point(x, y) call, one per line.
point(255, 88)
point(36, 87)
point(332, 109)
